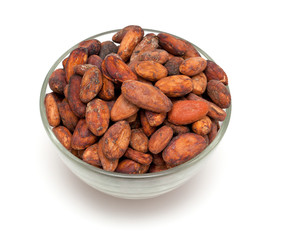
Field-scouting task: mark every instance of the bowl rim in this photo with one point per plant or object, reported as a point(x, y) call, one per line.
point(69, 155)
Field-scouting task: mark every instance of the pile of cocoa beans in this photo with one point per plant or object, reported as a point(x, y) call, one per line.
point(138, 103)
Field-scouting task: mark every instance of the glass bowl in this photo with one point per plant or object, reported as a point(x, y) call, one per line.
point(128, 186)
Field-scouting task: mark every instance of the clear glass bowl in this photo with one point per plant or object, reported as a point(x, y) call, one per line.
point(128, 186)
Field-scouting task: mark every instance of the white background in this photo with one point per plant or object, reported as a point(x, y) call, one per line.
point(238, 193)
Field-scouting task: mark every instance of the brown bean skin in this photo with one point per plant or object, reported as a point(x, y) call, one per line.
point(69, 119)
point(107, 91)
point(129, 42)
point(187, 111)
point(146, 96)
point(219, 93)
point(199, 83)
point(157, 168)
point(110, 104)
point(77, 56)
point(140, 157)
point(139, 140)
point(57, 81)
point(122, 109)
point(158, 160)
point(132, 118)
point(82, 68)
point(172, 44)
point(93, 46)
point(77, 153)
point(202, 126)
point(118, 69)
point(190, 51)
point(147, 128)
point(73, 96)
point(177, 129)
point(128, 166)
point(90, 155)
point(95, 60)
point(116, 140)
point(66, 89)
point(172, 65)
point(193, 66)
point(215, 72)
point(160, 139)
point(107, 47)
point(91, 84)
point(150, 70)
point(183, 148)
point(52, 111)
point(97, 116)
point(148, 43)
point(132, 67)
point(105, 72)
point(107, 164)
point(214, 129)
point(157, 55)
point(214, 112)
point(155, 119)
point(206, 137)
point(175, 86)
point(117, 37)
point(82, 137)
point(63, 135)
point(137, 123)
point(144, 168)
